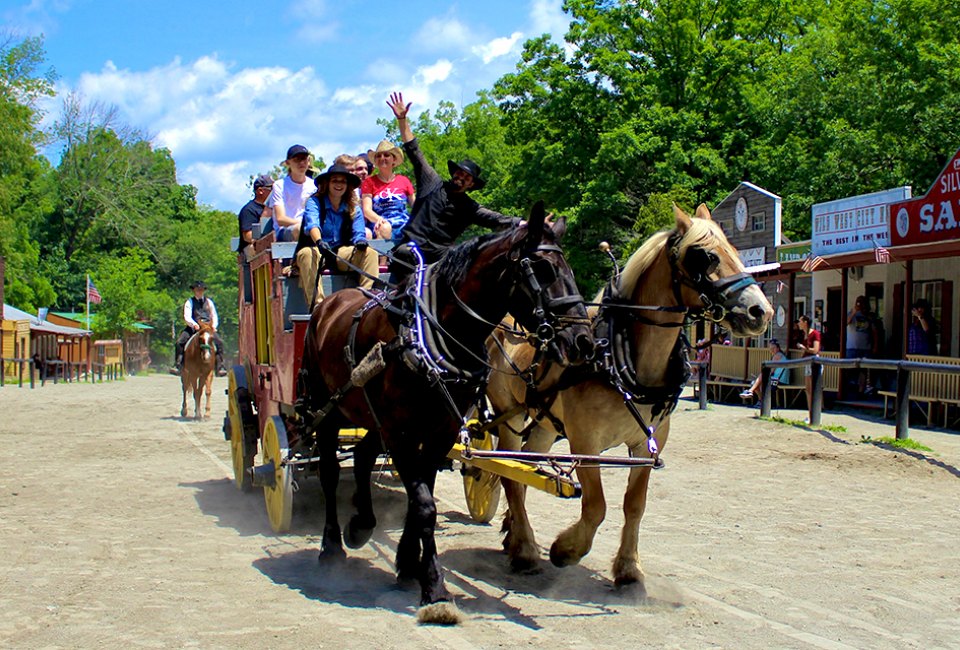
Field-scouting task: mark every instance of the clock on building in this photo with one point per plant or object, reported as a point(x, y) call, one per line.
point(740, 216)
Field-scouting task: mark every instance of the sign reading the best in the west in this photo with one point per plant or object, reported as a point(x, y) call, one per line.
point(932, 217)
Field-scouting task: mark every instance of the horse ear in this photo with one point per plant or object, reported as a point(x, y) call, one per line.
point(683, 221)
point(559, 228)
point(703, 212)
point(536, 221)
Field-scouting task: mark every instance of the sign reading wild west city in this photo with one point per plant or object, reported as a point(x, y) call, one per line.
point(932, 217)
point(854, 223)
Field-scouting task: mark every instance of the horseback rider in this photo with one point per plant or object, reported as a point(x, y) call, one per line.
point(196, 309)
point(442, 210)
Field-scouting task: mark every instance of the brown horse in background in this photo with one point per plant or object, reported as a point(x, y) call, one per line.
point(199, 362)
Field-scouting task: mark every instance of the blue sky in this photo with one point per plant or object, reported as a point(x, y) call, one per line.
point(228, 86)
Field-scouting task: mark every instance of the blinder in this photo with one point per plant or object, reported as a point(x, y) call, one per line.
point(698, 265)
point(538, 275)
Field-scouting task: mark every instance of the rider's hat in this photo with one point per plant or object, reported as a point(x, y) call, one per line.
point(353, 181)
point(199, 284)
point(471, 168)
point(385, 146)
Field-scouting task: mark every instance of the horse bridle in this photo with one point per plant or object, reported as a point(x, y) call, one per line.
point(539, 274)
point(695, 270)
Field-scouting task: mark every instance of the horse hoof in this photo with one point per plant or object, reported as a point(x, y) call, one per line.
point(355, 536)
point(562, 559)
point(525, 566)
point(332, 553)
point(443, 613)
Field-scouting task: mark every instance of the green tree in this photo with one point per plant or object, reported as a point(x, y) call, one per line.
point(127, 284)
point(22, 85)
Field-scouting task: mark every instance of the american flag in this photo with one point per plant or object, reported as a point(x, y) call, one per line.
point(92, 294)
point(780, 286)
point(881, 255)
point(811, 264)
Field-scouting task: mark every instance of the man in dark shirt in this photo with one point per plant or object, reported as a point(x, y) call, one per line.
point(442, 210)
point(249, 214)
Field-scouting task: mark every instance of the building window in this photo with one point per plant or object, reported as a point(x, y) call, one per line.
point(759, 221)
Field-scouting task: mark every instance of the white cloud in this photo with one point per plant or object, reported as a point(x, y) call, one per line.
point(36, 18)
point(498, 47)
point(431, 74)
point(547, 17)
point(438, 34)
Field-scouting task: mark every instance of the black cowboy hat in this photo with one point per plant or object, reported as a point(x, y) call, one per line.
point(199, 284)
point(353, 181)
point(469, 167)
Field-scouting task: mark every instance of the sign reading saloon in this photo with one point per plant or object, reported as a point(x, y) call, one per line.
point(932, 217)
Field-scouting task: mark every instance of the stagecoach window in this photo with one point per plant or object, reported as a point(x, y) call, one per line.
point(759, 220)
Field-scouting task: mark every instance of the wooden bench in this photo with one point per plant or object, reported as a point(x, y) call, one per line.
point(930, 390)
point(728, 371)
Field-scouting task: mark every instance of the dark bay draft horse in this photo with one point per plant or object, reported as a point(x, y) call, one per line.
point(199, 362)
point(640, 365)
point(409, 366)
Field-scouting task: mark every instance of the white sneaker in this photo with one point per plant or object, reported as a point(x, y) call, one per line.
point(746, 394)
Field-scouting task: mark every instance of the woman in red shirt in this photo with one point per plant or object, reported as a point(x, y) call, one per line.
point(810, 347)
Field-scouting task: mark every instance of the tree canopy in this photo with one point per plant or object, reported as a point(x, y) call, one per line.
point(644, 103)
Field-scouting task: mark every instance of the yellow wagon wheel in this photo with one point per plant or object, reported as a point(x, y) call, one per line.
point(243, 427)
point(278, 486)
point(481, 488)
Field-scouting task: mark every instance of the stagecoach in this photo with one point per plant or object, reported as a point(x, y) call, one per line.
point(262, 424)
point(283, 411)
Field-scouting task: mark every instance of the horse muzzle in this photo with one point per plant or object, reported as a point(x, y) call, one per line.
point(572, 348)
point(750, 313)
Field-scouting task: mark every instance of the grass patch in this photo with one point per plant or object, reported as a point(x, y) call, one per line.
point(833, 428)
point(887, 441)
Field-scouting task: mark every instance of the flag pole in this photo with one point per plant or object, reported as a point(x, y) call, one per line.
point(86, 295)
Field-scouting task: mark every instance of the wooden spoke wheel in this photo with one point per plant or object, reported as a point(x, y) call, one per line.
point(243, 427)
point(481, 488)
point(278, 488)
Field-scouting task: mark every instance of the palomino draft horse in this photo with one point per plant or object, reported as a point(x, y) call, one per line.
point(409, 365)
point(199, 361)
point(632, 387)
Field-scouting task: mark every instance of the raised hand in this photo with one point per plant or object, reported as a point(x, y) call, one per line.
point(397, 106)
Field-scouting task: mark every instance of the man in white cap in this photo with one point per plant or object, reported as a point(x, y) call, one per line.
point(289, 195)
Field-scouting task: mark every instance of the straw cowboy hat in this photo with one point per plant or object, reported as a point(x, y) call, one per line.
point(386, 146)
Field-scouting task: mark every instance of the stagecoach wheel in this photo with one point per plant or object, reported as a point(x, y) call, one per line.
point(481, 488)
point(240, 413)
point(279, 496)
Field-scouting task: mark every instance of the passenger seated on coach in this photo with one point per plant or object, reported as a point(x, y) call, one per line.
point(386, 197)
point(288, 195)
point(359, 168)
point(332, 220)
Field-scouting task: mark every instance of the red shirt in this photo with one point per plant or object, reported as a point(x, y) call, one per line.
point(812, 336)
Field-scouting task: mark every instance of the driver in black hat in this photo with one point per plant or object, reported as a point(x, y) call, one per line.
point(442, 210)
point(198, 308)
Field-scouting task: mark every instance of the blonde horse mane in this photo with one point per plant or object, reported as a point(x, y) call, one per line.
point(704, 233)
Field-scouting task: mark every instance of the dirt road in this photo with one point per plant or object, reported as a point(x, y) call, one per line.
point(120, 528)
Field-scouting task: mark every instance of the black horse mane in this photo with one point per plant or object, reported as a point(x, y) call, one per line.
point(453, 266)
